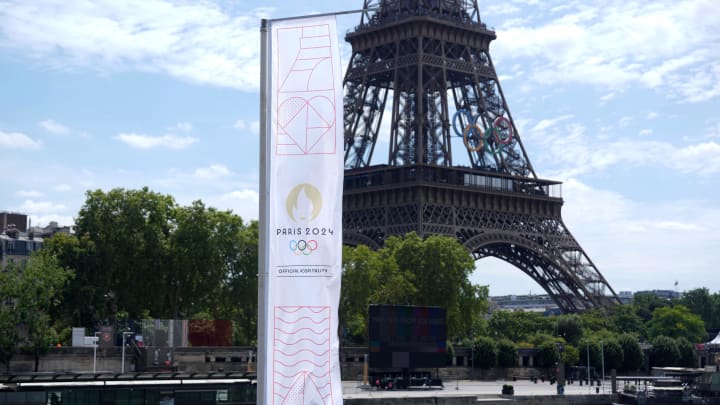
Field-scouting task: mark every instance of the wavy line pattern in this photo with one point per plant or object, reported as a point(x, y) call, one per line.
point(302, 340)
point(304, 318)
point(301, 361)
point(325, 353)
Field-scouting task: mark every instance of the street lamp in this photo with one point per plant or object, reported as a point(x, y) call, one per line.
point(602, 362)
point(124, 343)
point(95, 345)
point(587, 345)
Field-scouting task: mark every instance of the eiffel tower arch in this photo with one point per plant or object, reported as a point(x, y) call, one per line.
point(421, 81)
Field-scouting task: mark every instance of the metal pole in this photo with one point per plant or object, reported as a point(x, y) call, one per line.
point(602, 359)
point(95, 345)
point(588, 365)
point(298, 17)
point(472, 362)
point(122, 368)
point(263, 214)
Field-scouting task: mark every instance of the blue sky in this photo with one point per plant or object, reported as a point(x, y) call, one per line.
point(620, 100)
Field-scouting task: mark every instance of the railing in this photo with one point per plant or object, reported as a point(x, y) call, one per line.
point(489, 179)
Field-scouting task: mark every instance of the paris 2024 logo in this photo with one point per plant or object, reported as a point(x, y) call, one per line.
point(303, 205)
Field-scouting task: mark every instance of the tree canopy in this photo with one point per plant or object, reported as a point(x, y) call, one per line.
point(30, 293)
point(677, 322)
point(140, 254)
point(410, 270)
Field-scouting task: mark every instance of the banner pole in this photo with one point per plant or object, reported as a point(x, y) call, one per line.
point(334, 13)
point(262, 345)
point(266, 283)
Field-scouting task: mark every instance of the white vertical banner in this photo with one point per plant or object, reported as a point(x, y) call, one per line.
point(303, 229)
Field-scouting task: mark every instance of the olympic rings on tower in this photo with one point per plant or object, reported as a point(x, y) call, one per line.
point(476, 140)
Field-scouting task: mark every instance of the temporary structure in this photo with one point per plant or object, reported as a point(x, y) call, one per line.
point(715, 341)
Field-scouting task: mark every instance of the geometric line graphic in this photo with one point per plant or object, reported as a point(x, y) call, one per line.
point(305, 99)
point(301, 355)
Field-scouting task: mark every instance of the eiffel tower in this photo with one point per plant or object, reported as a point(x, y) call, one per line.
point(423, 68)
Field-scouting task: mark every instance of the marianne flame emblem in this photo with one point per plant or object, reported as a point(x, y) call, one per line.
point(304, 203)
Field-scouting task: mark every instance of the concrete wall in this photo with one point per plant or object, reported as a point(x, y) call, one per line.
point(206, 359)
point(466, 400)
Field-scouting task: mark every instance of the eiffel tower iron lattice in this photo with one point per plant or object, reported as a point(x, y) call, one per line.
point(425, 65)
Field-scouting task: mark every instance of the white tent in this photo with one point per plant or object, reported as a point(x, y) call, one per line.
point(715, 341)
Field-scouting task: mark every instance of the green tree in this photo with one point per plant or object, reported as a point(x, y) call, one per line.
point(665, 352)
point(592, 345)
point(39, 290)
point(632, 353)
point(486, 352)
point(688, 357)
point(370, 277)
point(595, 320)
point(359, 265)
point(82, 303)
point(130, 230)
point(714, 322)
point(624, 319)
point(646, 303)
point(613, 354)
point(519, 325)
point(140, 254)
point(441, 267)
point(677, 322)
point(507, 353)
point(549, 354)
point(8, 315)
point(569, 327)
point(410, 270)
point(700, 302)
point(201, 246)
point(570, 355)
point(240, 293)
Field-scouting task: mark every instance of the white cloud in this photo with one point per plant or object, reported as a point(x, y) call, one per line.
point(677, 226)
point(624, 121)
point(44, 220)
point(571, 152)
point(54, 127)
point(200, 42)
point(500, 9)
point(652, 115)
point(251, 195)
point(664, 45)
point(627, 239)
point(212, 172)
point(646, 132)
point(181, 126)
point(170, 141)
point(16, 140)
point(252, 126)
point(607, 97)
point(61, 188)
point(42, 207)
point(29, 193)
point(244, 202)
point(548, 123)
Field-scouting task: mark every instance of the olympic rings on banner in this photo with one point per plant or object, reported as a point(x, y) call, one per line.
point(303, 247)
point(501, 130)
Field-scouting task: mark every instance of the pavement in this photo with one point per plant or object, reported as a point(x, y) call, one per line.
point(481, 389)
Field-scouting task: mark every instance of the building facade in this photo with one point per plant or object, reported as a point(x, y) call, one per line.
point(16, 244)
